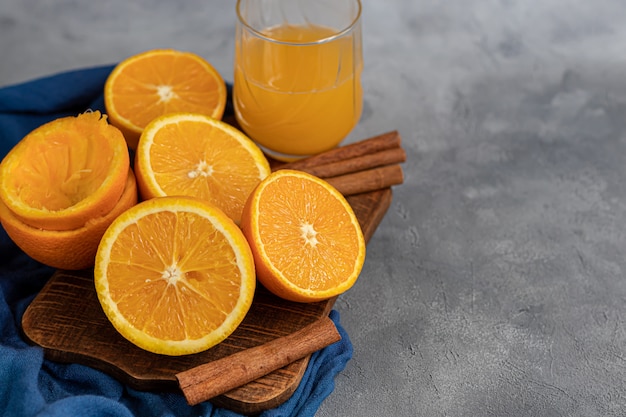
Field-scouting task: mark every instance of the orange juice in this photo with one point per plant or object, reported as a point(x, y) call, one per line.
point(297, 88)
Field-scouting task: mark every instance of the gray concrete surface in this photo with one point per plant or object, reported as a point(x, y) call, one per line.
point(495, 284)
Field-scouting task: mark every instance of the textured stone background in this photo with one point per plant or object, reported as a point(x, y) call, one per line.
point(495, 284)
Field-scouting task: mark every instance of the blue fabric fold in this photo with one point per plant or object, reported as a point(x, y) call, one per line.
point(31, 385)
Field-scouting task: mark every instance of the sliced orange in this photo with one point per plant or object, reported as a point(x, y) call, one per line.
point(196, 155)
point(174, 275)
point(306, 240)
point(66, 249)
point(161, 81)
point(65, 172)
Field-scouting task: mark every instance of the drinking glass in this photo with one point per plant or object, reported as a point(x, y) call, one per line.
point(297, 74)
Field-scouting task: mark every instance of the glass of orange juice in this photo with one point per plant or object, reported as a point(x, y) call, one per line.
point(297, 74)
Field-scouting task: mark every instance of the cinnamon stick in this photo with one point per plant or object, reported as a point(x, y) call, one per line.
point(368, 180)
point(218, 377)
point(359, 163)
point(365, 147)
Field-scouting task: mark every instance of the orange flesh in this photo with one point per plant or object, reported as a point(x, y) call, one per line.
point(62, 170)
point(156, 85)
point(172, 287)
point(213, 170)
point(321, 250)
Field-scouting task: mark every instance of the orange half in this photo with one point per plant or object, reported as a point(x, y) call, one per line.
point(66, 249)
point(195, 155)
point(306, 240)
point(65, 172)
point(174, 275)
point(160, 81)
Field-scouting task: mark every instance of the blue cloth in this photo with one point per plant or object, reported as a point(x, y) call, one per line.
point(30, 385)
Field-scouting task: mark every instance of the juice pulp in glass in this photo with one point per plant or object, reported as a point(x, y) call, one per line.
point(293, 95)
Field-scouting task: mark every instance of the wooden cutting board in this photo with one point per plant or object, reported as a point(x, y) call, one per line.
point(66, 319)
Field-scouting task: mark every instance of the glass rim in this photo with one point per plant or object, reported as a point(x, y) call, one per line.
point(339, 34)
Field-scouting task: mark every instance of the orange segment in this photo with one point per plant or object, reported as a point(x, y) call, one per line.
point(66, 249)
point(196, 155)
point(65, 172)
point(174, 275)
point(156, 82)
point(306, 240)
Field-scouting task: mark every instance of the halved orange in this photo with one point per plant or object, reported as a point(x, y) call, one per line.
point(65, 172)
point(307, 242)
point(196, 155)
point(66, 249)
point(149, 84)
point(174, 275)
